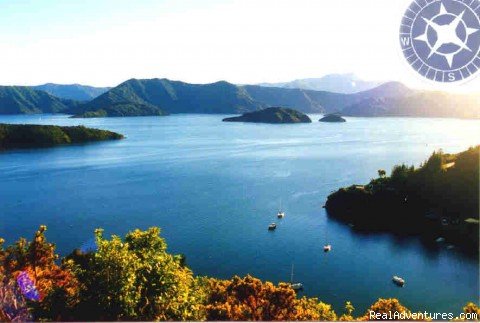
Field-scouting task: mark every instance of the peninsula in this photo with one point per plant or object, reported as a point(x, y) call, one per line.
point(14, 136)
point(438, 201)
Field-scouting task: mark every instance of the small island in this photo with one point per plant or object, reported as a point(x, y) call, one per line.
point(332, 118)
point(437, 201)
point(13, 136)
point(272, 115)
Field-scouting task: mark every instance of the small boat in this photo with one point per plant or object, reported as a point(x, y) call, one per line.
point(295, 286)
point(327, 248)
point(398, 281)
point(272, 226)
point(280, 213)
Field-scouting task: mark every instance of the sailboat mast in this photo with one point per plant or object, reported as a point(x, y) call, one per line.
point(291, 276)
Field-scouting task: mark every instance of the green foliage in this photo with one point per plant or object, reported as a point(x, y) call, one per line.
point(436, 199)
point(124, 110)
point(272, 115)
point(136, 279)
point(26, 136)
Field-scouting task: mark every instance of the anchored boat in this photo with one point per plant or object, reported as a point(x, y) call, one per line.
point(295, 286)
point(398, 281)
point(280, 213)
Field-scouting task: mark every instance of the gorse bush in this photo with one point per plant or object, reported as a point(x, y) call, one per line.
point(249, 299)
point(135, 279)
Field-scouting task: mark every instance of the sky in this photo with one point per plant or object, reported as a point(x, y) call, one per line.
point(105, 42)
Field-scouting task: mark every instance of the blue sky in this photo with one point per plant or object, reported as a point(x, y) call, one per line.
point(103, 43)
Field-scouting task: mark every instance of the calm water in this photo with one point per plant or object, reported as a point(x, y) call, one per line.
point(214, 187)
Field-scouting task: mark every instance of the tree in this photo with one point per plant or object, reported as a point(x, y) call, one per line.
point(348, 314)
point(382, 173)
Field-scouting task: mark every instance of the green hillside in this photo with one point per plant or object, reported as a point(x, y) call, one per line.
point(174, 97)
point(36, 136)
point(25, 100)
point(72, 91)
point(438, 199)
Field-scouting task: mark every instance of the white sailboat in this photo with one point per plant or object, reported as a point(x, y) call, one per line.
point(280, 213)
point(295, 286)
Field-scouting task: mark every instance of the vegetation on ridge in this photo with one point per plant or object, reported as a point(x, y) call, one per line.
point(438, 199)
point(135, 279)
point(272, 115)
point(25, 100)
point(32, 136)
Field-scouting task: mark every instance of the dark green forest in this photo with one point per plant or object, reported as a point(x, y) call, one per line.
point(36, 136)
point(438, 199)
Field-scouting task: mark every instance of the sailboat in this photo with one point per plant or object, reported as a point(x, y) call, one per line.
point(295, 286)
point(280, 213)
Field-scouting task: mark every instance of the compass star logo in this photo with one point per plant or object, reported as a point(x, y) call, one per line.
point(441, 38)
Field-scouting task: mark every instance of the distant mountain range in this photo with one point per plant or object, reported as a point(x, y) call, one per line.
point(25, 100)
point(162, 96)
point(75, 92)
point(177, 97)
point(338, 83)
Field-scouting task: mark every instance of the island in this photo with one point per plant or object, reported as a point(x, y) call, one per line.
point(332, 118)
point(272, 115)
point(438, 201)
point(13, 136)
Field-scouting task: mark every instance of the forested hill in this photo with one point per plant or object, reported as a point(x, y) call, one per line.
point(162, 97)
point(389, 99)
point(25, 100)
point(75, 92)
point(178, 97)
point(224, 97)
point(37, 136)
point(440, 199)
